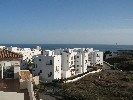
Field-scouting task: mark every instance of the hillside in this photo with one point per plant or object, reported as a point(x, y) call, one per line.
point(103, 86)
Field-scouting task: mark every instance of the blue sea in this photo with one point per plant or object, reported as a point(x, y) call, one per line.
point(100, 47)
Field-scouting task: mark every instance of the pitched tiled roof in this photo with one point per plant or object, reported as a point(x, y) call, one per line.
point(5, 54)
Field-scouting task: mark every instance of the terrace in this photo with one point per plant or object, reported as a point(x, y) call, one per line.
point(13, 85)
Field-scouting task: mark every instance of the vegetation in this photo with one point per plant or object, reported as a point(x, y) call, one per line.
point(106, 52)
point(40, 87)
point(113, 61)
point(30, 65)
point(125, 66)
point(103, 86)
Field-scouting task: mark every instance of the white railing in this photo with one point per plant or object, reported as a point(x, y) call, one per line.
point(77, 78)
point(108, 63)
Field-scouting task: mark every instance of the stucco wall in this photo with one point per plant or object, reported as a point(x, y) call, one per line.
point(11, 96)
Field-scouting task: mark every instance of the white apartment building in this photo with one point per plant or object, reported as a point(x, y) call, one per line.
point(82, 59)
point(27, 53)
point(70, 61)
point(47, 67)
point(96, 58)
point(2, 47)
point(67, 63)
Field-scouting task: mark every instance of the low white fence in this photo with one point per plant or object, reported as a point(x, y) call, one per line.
point(77, 78)
point(108, 63)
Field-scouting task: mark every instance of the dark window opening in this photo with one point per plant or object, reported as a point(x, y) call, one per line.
point(50, 74)
point(36, 65)
point(50, 62)
point(71, 62)
point(40, 71)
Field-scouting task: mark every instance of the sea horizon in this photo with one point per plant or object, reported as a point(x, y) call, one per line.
point(101, 47)
point(58, 44)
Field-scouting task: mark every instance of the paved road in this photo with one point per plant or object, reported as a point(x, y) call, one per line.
point(105, 66)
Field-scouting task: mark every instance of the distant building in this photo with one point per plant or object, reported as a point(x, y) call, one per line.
point(97, 58)
point(69, 62)
point(27, 53)
point(112, 55)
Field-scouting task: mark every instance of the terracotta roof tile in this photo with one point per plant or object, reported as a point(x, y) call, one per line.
point(5, 54)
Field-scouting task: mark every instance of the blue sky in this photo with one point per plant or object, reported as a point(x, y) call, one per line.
point(66, 21)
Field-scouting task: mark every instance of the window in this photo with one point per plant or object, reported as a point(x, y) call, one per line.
point(40, 71)
point(50, 74)
point(77, 56)
point(56, 68)
point(36, 65)
point(77, 65)
point(71, 58)
point(98, 55)
point(39, 59)
point(85, 61)
point(50, 62)
point(71, 62)
point(67, 61)
point(67, 55)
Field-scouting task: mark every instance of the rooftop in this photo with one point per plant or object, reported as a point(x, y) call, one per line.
point(25, 74)
point(7, 55)
point(12, 85)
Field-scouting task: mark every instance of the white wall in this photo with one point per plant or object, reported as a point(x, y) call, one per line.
point(78, 63)
point(36, 80)
point(11, 96)
point(98, 58)
point(49, 71)
point(27, 53)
